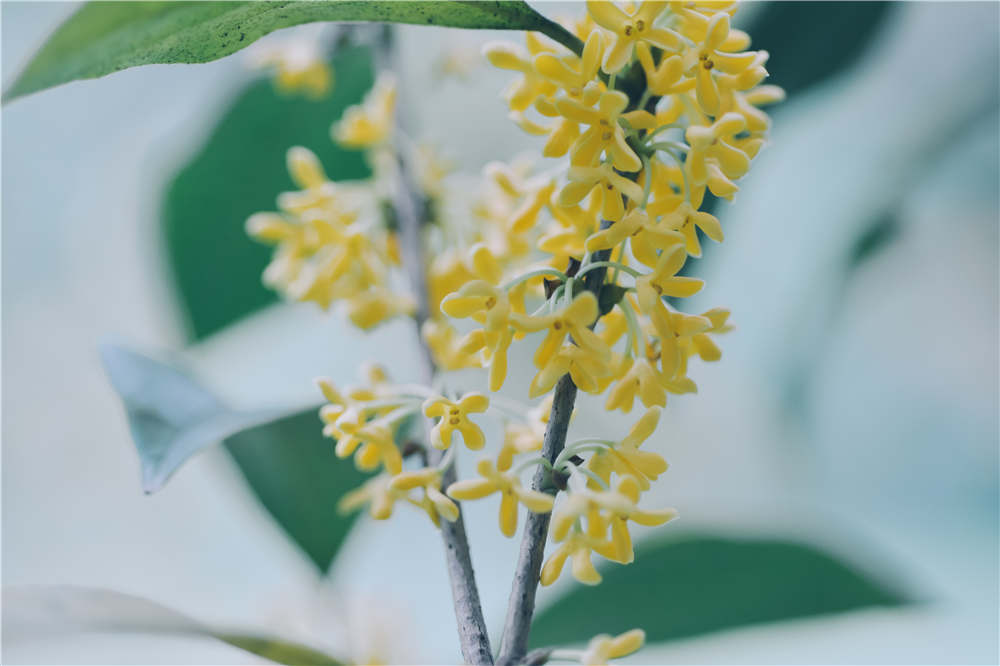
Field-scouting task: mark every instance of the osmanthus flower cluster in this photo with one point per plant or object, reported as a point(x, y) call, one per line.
point(583, 259)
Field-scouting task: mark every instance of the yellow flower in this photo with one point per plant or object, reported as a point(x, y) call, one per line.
point(746, 105)
point(444, 343)
point(378, 493)
point(647, 238)
point(579, 546)
point(626, 460)
point(642, 379)
point(369, 124)
point(572, 225)
point(615, 507)
point(509, 486)
point(298, 67)
point(570, 73)
point(574, 320)
point(505, 55)
point(455, 416)
point(608, 185)
point(669, 326)
point(375, 306)
point(630, 29)
point(434, 502)
point(604, 648)
point(705, 57)
point(686, 219)
point(712, 159)
point(347, 420)
point(702, 344)
point(604, 133)
point(536, 197)
point(494, 348)
point(664, 280)
point(667, 78)
point(447, 272)
point(481, 301)
point(524, 437)
point(584, 367)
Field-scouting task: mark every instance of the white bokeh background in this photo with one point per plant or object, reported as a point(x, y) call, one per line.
point(859, 414)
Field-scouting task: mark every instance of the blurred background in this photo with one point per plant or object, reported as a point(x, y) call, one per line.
point(855, 410)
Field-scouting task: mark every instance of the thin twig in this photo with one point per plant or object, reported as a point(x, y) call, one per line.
point(472, 635)
point(521, 605)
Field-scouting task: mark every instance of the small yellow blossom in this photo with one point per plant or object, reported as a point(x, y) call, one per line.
point(667, 78)
point(616, 508)
point(642, 379)
point(455, 416)
point(298, 66)
point(708, 55)
point(573, 74)
point(584, 367)
point(574, 320)
point(579, 546)
point(712, 160)
point(490, 306)
point(481, 301)
point(505, 55)
point(687, 219)
point(378, 493)
point(444, 343)
point(524, 437)
point(371, 308)
point(628, 29)
point(604, 133)
point(369, 124)
point(608, 185)
point(434, 502)
point(647, 238)
point(664, 280)
point(509, 486)
point(625, 458)
point(604, 648)
point(347, 419)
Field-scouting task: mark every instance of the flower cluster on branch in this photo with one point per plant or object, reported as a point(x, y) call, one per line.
point(658, 112)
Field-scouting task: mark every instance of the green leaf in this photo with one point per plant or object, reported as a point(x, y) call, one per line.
point(810, 42)
point(105, 37)
point(695, 584)
point(239, 171)
point(288, 463)
point(46, 611)
point(292, 469)
point(171, 416)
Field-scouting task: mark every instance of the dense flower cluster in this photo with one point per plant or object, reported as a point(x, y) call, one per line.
point(657, 114)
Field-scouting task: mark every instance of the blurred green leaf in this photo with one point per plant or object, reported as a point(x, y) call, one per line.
point(170, 415)
point(692, 585)
point(812, 41)
point(239, 171)
point(47, 611)
point(293, 471)
point(287, 462)
point(106, 37)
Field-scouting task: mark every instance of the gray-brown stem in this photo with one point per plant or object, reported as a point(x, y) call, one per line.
point(521, 605)
point(472, 633)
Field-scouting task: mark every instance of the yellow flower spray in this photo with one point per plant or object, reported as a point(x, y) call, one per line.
point(658, 107)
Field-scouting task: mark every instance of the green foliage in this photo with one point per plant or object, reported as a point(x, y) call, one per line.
point(293, 471)
point(696, 584)
point(171, 416)
point(283, 455)
point(239, 171)
point(810, 42)
point(106, 37)
point(46, 611)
